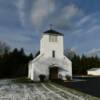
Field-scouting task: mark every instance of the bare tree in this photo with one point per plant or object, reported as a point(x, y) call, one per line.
point(4, 48)
point(70, 53)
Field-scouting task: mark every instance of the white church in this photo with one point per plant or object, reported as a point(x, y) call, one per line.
point(51, 61)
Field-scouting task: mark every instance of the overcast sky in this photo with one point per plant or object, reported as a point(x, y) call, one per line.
point(23, 21)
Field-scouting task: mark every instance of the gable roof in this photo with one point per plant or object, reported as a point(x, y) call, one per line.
point(94, 69)
point(53, 32)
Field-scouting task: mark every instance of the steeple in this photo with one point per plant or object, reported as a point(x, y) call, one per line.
point(51, 31)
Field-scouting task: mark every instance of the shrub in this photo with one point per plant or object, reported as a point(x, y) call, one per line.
point(68, 77)
point(42, 77)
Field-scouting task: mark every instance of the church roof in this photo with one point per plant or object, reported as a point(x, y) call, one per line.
point(94, 69)
point(52, 32)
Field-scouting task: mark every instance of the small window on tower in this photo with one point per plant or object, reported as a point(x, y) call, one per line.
point(50, 38)
point(56, 39)
point(53, 38)
point(53, 54)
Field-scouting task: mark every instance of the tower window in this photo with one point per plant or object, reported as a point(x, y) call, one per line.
point(53, 38)
point(53, 54)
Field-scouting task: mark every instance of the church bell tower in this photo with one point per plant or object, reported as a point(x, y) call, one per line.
point(51, 44)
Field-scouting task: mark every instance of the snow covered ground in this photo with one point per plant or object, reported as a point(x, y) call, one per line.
point(34, 91)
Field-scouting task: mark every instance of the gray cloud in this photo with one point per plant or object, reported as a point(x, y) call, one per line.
point(65, 19)
point(83, 20)
point(41, 10)
point(93, 52)
point(20, 21)
point(20, 6)
point(8, 14)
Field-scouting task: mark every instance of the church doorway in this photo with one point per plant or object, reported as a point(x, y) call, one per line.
point(53, 73)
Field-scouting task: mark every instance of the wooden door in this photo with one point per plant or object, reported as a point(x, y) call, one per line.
point(53, 73)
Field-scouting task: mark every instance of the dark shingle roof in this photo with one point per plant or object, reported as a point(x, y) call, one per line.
point(52, 32)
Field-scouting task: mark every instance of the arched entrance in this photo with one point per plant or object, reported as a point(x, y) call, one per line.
point(53, 73)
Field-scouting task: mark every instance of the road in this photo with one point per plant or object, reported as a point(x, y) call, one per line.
point(34, 91)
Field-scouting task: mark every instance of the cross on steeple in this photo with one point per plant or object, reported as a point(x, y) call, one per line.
point(51, 26)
